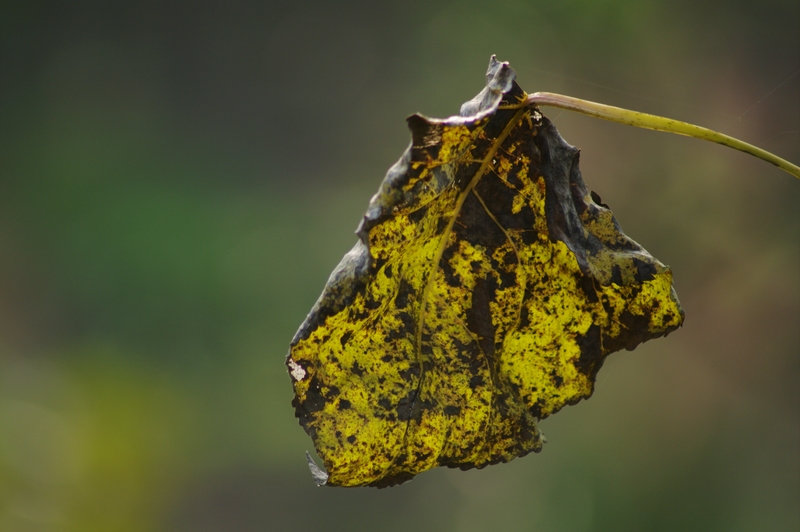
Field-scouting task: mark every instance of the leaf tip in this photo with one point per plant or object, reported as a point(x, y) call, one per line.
point(320, 477)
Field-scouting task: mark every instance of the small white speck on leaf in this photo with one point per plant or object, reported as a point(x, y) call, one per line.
point(297, 371)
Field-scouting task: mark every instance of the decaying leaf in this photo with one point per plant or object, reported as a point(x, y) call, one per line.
point(487, 287)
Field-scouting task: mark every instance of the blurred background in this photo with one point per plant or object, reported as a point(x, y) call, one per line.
point(178, 179)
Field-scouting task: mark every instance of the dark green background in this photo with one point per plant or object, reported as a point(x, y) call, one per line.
point(177, 179)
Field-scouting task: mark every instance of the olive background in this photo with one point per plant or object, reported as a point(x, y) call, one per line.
point(178, 179)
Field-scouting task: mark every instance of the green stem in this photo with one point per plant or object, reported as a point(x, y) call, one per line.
point(658, 123)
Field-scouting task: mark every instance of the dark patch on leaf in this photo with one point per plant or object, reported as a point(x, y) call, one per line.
point(404, 291)
point(479, 317)
point(405, 407)
point(645, 271)
point(417, 215)
point(452, 410)
point(345, 337)
point(591, 358)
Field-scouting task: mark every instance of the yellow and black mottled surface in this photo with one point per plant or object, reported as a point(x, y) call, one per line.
point(486, 290)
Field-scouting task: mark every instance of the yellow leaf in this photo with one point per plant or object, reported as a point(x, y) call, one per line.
point(486, 289)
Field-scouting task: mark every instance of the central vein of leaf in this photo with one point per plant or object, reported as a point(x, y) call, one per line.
point(485, 164)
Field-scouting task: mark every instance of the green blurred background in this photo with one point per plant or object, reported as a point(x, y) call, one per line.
point(177, 180)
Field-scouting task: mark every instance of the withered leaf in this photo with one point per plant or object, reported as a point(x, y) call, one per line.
point(486, 289)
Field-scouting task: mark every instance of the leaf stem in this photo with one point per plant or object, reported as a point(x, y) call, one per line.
point(657, 123)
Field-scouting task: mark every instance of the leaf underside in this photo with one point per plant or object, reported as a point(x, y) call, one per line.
point(486, 289)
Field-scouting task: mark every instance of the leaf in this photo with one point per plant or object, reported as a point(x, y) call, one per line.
point(487, 287)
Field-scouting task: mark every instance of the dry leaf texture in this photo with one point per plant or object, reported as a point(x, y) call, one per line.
point(487, 287)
